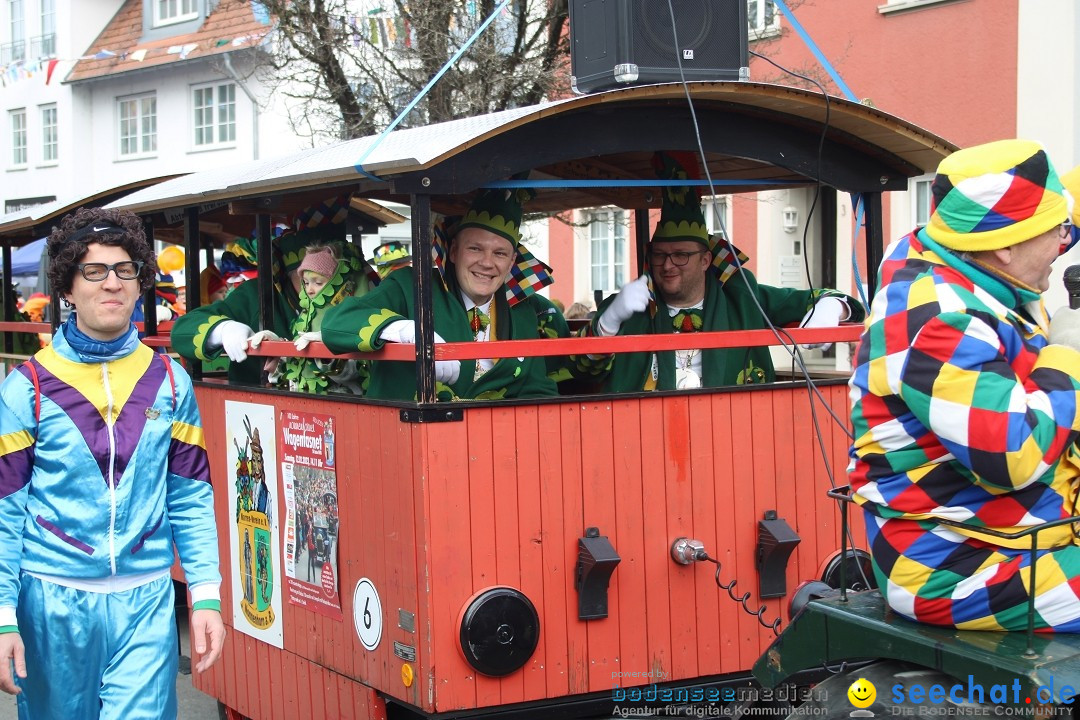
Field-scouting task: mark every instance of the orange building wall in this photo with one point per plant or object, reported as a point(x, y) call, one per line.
point(949, 67)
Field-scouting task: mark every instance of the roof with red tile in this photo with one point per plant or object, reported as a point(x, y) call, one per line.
point(230, 26)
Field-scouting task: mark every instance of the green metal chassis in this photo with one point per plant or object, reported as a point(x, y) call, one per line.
point(860, 627)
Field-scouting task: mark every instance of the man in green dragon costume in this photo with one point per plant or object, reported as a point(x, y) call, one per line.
point(693, 283)
point(481, 294)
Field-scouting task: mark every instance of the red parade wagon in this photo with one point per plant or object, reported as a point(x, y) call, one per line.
point(563, 556)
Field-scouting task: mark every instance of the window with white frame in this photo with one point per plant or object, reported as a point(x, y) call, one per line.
point(167, 12)
point(763, 18)
point(214, 108)
point(137, 126)
point(15, 49)
point(50, 147)
point(44, 46)
point(15, 13)
point(717, 219)
point(920, 200)
point(17, 123)
point(608, 248)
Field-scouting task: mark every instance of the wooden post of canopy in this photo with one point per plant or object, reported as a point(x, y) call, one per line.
point(9, 299)
point(149, 298)
point(875, 247)
point(265, 259)
point(191, 270)
point(425, 320)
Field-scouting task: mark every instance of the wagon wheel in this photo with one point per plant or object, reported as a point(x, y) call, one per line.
point(227, 713)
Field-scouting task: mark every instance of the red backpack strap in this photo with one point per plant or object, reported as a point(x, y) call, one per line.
point(172, 379)
point(37, 390)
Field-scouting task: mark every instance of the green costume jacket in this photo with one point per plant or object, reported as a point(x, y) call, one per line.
point(317, 375)
point(356, 323)
point(192, 329)
point(728, 306)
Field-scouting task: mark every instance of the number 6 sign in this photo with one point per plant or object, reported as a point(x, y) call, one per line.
point(367, 614)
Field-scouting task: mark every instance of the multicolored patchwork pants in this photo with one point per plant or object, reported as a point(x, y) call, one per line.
point(931, 574)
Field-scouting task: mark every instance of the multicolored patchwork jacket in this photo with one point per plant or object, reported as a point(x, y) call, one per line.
point(102, 469)
point(960, 408)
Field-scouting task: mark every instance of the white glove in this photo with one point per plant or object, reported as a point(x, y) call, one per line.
point(633, 298)
point(162, 313)
point(256, 340)
point(447, 371)
point(404, 331)
point(232, 337)
point(1065, 328)
point(827, 312)
point(399, 331)
point(306, 338)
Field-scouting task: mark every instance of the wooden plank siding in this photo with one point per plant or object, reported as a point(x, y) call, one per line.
point(434, 514)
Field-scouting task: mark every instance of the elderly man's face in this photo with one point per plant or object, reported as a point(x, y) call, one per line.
point(679, 285)
point(482, 262)
point(1031, 260)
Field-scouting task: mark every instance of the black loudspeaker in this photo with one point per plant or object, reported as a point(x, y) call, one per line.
point(616, 43)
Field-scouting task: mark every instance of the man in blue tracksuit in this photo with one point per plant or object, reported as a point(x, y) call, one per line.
point(102, 470)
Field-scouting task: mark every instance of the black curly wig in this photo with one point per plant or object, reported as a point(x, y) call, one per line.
point(65, 253)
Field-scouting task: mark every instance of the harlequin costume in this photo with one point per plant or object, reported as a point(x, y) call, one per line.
point(732, 297)
point(961, 409)
point(347, 278)
point(103, 470)
point(356, 324)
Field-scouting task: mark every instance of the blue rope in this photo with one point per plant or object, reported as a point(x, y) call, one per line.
point(858, 203)
point(816, 51)
point(427, 88)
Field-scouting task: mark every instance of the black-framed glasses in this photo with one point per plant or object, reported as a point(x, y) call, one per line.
point(1066, 237)
point(97, 272)
point(679, 258)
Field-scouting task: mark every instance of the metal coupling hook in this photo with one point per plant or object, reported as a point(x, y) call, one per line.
point(686, 551)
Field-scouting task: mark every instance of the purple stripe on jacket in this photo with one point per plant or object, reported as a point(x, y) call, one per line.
point(142, 540)
point(64, 536)
point(82, 413)
point(130, 421)
point(15, 469)
point(187, 460)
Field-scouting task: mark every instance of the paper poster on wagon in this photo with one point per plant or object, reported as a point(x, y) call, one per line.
point(255, 565)
point(309, 482)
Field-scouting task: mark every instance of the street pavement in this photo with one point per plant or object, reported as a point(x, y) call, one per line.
point(193, 704)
